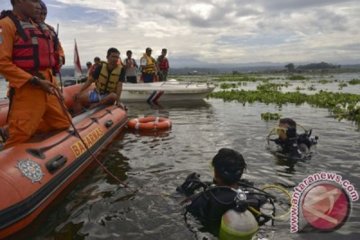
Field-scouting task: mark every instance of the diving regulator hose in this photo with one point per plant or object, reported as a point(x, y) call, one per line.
point(273, 200)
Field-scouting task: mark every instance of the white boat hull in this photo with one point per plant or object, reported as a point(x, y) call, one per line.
point(164, 91)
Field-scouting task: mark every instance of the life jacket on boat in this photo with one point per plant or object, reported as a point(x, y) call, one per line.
point(34, 50)
point(163, 63)
point(150, 67)
point(59, 56)
point(108, 81)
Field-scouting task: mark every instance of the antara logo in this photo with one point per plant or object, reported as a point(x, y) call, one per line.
point(322, 201)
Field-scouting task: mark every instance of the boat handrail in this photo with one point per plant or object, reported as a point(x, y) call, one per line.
point(187, 84)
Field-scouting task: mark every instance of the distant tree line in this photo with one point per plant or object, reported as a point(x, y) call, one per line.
point(312, 66)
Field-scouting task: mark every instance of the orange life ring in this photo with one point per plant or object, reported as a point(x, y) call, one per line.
point(150, 123)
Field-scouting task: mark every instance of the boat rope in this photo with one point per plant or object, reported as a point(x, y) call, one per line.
point(62, 104)
point(39, 152)
point(61, 82)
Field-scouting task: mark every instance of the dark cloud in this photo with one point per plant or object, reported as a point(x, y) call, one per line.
point(221, 15)
point(88, 16)
point(255, 40)
point(242, 30)
point(295, 5)
point(330, 21)
point(354, 47)
point(309, 22)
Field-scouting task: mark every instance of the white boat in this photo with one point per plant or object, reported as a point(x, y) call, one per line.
point(171, 90)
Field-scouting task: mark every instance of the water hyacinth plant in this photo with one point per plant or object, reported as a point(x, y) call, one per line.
point(297, 77)
point(324, 99)
point(270, 116)
point(237, 78)
point(354, 81)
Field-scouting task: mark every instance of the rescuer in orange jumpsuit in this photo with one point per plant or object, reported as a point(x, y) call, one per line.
point(59, 51)
point(27, 64)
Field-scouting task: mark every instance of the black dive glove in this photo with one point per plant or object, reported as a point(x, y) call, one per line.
point(191, 184)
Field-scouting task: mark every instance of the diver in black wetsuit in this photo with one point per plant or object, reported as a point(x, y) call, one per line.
point(228, 191)
point(292, 144)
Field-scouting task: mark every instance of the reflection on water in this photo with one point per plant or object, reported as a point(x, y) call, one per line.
point(96, 207)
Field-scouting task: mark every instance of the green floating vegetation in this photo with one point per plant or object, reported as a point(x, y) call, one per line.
point(311, 88)
point(297, 77)
point(236, 78)
point(348, 111)
point(270, 116)
point(324, 81)
point(228, 85)
point(342, 85)
point(268, 87)
point(340, 104)
point(354, 81)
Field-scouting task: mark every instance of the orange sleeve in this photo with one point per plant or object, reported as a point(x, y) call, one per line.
point(15, 75)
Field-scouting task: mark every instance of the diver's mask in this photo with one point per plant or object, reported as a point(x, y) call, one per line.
point(289, 132)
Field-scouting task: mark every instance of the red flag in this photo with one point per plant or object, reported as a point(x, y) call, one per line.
point(77, 65)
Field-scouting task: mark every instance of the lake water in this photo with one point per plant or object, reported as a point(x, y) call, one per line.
point(96, 207)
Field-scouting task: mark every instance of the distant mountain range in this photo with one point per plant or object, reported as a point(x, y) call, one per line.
point(222, 68)
point(199, 68)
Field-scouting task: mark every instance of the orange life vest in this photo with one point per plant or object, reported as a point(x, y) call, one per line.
point(34, 50)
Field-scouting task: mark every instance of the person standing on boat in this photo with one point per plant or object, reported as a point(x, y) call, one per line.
point(59, 51)
point(148, 67)
point(130, 68)
point(26, 61)
point(97, 62)
point(163, 65)
point(108, 79)
point(89, 68)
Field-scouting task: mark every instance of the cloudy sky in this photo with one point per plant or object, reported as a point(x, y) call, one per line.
point(211, 31)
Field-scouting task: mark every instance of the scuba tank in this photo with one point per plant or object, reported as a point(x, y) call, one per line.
point(238, 223)
point(234, 213)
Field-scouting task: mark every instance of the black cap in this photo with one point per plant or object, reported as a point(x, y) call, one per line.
point(148, 49)
point(230, 165)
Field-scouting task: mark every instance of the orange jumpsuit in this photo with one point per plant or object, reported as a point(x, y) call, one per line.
point(30, 104)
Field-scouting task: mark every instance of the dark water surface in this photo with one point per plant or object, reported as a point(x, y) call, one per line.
point(98, 208)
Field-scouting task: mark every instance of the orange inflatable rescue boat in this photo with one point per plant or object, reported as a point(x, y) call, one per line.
point(34, 173)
